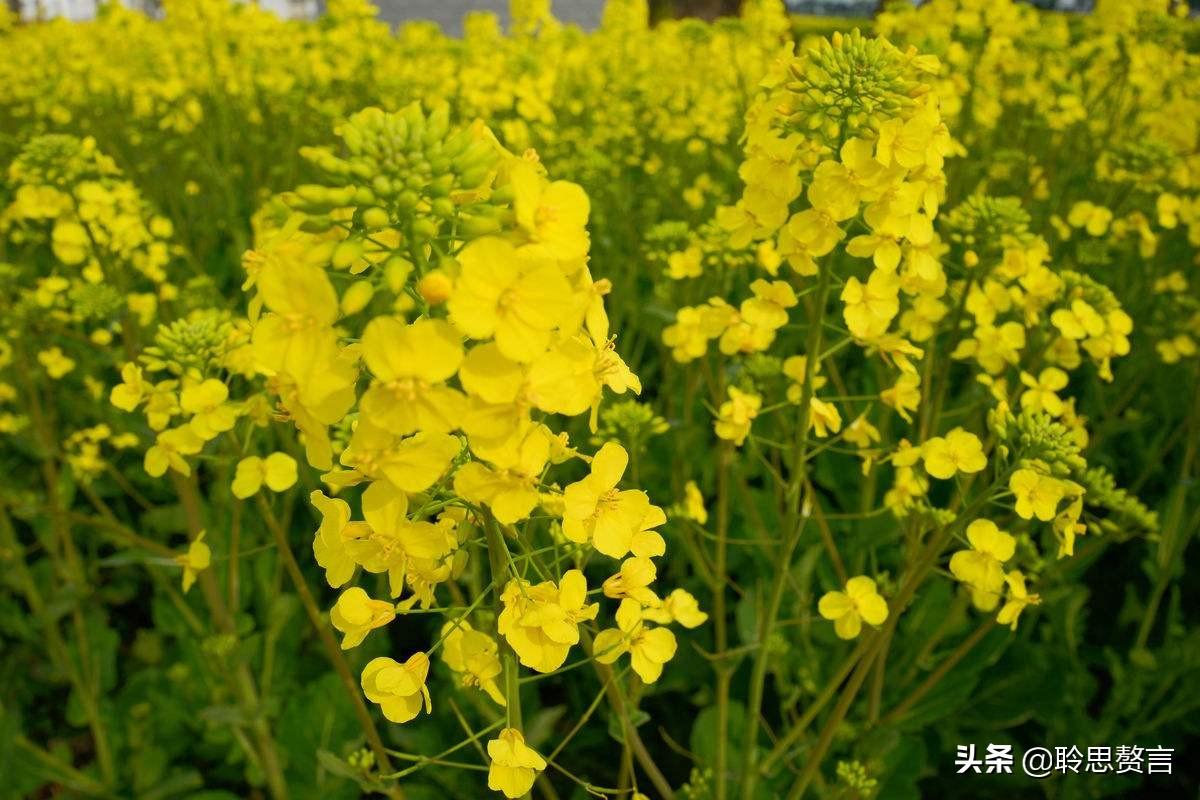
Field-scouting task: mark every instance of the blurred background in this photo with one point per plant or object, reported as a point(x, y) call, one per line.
point(448, 13)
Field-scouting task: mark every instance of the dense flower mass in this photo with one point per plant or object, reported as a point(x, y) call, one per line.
point(687, 409)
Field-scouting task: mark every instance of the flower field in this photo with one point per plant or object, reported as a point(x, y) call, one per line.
point(757, 408)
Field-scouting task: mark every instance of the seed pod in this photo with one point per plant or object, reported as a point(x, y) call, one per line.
point(473, 225)
point(316, 224)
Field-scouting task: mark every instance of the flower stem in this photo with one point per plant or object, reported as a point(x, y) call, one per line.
point(334, 653)
point(498, 559)
point(798, 489)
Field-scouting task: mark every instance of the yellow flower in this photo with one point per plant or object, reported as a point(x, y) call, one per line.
point(541, 622)
point(649, 648)
point(1172, 350)
point(685, 264)
point(205, 401)
point(515, 765)
point(982, 567)
point(413, 464)
point(870, 307)
point(633, 580)
point(680, 606)
point(613, 520)
point(161, 404)
point(552, 215)
point(861, 432)
point(693, 503)
point(132, 389)
point(768, 308)
point(1067, 525)
point(304, 305)
point(1095, 219)
point(393, 538)
point(399, 689)
point(736, 414)
point(807, 235)
point(920, 141)
point(1080, 321)
point(277, 471)
point(958, 451)
point(517, 298)
point(355, 614)
point(169, 450)
point(1041, 394)
point(824, 418)
point(510, 487)
point(1018, 599)
point(329, 545)
point(1037, 494)
point(904, 396)
point(474, 656)
point(197, 559)
point(410, 364)
point(56, 363)
point(849, 609)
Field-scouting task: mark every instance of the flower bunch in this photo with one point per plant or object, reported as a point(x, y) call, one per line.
point(426, 314)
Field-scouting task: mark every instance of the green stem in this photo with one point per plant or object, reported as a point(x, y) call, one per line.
point(498, 558)
point(966, 646)
point(332, 651)
point(724, 672)
point(798, 488)
point(241, 679)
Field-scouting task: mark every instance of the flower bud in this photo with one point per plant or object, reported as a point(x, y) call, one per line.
point(435, 287)
point(357, 297)
point(346, 253)
point(375, 218)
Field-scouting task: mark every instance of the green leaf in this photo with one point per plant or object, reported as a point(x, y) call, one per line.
point(706, 734)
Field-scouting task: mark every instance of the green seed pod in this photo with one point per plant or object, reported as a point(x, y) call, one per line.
point(474, 177)
point(474, 226)
point(316, 224)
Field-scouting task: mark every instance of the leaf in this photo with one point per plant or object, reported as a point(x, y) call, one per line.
point(164, 520)
point(616, 728)
point(955, 688)
point(901, 769)
point(746, 613)
point(317, 719)
point(706, 734)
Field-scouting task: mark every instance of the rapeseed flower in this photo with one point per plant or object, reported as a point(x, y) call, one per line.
point(859, 603)
point(515, 765)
